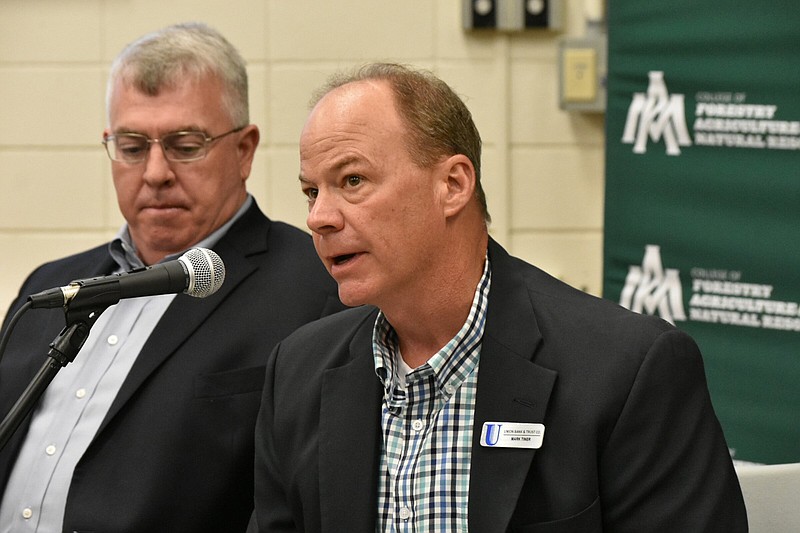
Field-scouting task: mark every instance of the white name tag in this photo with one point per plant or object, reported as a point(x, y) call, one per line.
point(512, 435)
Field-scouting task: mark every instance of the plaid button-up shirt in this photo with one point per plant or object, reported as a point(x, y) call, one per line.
point(427, 427)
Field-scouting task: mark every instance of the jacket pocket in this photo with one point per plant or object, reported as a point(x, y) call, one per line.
point(239, 381)
point(585, 521)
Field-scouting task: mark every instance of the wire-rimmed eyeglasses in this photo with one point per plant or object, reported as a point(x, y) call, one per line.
point(180, 146)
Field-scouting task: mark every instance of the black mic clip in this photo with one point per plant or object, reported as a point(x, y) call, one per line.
point(93, 301)
point(68, 343)
point(96, 295)
point(99, 292)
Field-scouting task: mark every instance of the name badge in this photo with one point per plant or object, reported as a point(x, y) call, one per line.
point(512, 435)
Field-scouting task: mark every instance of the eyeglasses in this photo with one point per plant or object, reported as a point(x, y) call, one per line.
point(180, 146)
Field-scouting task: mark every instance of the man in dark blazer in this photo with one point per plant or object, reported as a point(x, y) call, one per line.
point(479, 393)
point(173, 446)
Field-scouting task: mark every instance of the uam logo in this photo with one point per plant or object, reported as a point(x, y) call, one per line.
point(651, 289)
point(656, 115)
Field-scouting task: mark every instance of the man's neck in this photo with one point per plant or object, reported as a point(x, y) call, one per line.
point(425, 323)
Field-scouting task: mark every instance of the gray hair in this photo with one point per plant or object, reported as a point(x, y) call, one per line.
point(168, 56)
point(438, 122)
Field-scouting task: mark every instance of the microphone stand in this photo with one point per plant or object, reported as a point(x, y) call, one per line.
point(63, 350)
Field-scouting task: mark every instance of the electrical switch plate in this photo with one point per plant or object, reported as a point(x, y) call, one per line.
point(580, 74)
point(583, 70)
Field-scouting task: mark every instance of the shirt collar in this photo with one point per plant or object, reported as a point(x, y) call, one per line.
point(123, 250)
point(452, 363)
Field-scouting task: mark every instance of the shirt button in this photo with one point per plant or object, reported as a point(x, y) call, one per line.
point(50, 450)
point(27, 513)
point(417, 425)
point(449, 389)
point(80, 393)
point(112, 340)
point(405, 513)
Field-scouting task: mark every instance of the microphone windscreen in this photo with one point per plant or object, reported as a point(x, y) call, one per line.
point(206, 272)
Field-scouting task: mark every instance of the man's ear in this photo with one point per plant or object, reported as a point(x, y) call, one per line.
point(248, 142)
point(460, 184)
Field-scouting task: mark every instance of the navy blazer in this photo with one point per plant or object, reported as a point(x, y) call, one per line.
point(631, 441)
point(175, 451)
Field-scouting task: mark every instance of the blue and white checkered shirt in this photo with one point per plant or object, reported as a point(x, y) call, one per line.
point(427, 427)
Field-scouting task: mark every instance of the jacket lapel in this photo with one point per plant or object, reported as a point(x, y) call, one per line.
point(511, 388)
point(350, 439)
point(186, 314)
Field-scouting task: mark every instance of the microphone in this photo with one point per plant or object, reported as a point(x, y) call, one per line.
point(199, 272)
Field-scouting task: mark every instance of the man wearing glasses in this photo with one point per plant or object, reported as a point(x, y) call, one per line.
point(151, 427)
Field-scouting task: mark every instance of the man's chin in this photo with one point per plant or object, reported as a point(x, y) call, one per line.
point(353, 296)
point(161, 245)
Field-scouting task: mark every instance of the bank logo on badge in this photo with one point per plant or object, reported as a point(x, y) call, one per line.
point(657, 115)
point(512, 435)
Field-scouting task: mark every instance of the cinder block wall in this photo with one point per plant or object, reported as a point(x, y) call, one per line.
point(543, 167)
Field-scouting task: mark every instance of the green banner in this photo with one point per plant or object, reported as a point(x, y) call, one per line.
point(702, 215)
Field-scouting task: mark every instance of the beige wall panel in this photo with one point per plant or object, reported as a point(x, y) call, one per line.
point(352, 30)
point(242, 22)
point(573, 257)
point(536, 116)
point(47, 31)
point(259, 181)
point(55, 191)
point(259, 99)
point(290, 89)
point(51, 106)
point(538, 45)
point(575, 15)
point(493, 178)
point(289, 204)
point(482, 86)
point(559, 187)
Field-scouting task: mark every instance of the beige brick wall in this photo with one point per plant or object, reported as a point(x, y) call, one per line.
point(543, 167)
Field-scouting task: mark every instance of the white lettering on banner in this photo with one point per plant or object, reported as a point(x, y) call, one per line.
point(722, 120)
point(740, 304)
point(735, 110)
point(725, 317)
point(718, 296)
point(778, 142)
point(655, 115)
point(735, 289)
point(730, 140)
point(650, 288)
point(782, 322)
point(730, 125)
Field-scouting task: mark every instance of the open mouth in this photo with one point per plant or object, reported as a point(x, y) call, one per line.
point(342, 259)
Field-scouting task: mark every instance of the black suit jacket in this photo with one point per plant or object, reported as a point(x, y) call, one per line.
point(175, 451)
point(631, 441)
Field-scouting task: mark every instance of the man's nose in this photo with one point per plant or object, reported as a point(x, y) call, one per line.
point(324, 215)
point(157, 168)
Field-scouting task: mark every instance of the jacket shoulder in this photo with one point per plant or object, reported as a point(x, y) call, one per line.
point(524, 296)
point(85, 264)
point(342, 325)
point(327, 342)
